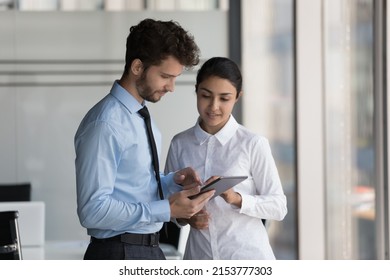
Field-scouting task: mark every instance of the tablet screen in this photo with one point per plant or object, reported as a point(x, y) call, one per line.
point(221, 184)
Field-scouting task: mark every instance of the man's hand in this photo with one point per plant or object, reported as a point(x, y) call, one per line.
point(187, 176)
point(184, 207)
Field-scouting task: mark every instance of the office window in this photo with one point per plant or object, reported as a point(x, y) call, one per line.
point(349, 129)
point(113, 5)
point(268, 101)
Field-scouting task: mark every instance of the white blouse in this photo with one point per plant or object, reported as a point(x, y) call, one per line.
point(233, 233)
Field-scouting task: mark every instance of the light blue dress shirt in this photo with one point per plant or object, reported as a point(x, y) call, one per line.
point(116, 187)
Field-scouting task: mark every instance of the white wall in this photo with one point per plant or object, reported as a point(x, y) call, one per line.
point(46, 87)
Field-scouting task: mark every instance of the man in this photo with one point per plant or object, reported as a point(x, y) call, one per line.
point(118, 198)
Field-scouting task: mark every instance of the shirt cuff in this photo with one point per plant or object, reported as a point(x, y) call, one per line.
point(160, 210)
point(247, 204)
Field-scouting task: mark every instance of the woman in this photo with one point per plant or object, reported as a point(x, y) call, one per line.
point(230, 226)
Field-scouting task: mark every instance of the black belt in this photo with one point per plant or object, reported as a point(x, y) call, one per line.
point(151, 239)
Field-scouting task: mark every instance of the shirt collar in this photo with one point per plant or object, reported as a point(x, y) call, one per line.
point(223, 136)
point(125, 98)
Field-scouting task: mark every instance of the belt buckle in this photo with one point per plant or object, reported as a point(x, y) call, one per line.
point(154, 240)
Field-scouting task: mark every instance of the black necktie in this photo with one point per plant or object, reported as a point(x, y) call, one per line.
point(145, 114)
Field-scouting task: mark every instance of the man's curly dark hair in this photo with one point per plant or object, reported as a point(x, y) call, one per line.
point(152, 41)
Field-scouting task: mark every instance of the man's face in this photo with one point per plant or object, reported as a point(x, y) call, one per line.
point(156, 81)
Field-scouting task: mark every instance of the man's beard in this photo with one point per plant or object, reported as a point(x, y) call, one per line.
point(145, 91)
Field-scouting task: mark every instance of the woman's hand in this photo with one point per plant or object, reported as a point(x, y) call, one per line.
point(200, 220)
point(232, 197)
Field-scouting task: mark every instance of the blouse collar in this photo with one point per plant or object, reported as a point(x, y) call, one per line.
point(223, 136)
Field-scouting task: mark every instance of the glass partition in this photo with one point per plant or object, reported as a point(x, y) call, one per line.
point(349, 129)
point(269, 101)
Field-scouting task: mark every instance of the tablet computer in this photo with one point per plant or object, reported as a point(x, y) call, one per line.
point(221, 184)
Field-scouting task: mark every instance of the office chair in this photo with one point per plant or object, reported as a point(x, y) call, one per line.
point(169, 240)
point(170, 234)
point(9, 236)
point(15, 192)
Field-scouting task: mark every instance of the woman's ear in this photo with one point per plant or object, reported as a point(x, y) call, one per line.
point(137, 67)
point(239, 95)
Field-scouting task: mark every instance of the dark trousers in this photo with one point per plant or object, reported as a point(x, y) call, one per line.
point(117, 250)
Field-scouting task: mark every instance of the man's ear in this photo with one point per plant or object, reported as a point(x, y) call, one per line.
point(137, 67)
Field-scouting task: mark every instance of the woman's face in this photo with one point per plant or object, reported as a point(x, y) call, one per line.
point(215, 98)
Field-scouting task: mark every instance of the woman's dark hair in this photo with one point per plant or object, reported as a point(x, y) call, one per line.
point(152, 41)
point(221, 67)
